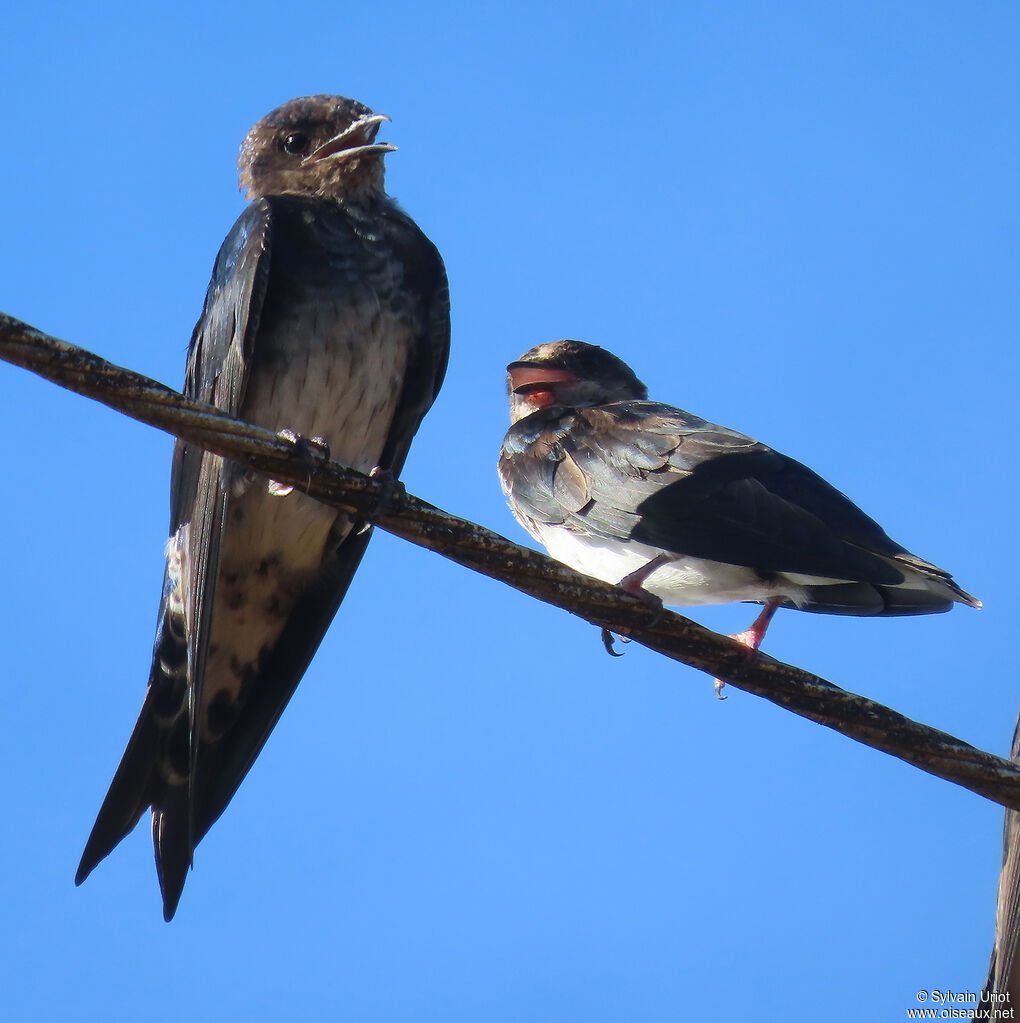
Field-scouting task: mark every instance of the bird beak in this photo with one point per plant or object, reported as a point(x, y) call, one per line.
point(355, 140)
point(526, 377)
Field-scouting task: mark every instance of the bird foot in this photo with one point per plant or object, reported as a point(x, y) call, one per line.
point(392, 496)
point(752, 648)
point(313, 451)
point(634, 585)
point(751, 638)
point(393, 493)
point(652, 602)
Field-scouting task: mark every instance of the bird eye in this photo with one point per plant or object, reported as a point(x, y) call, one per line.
point(296, 143)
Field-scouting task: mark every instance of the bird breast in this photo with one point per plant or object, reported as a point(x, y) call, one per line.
point(335, 374)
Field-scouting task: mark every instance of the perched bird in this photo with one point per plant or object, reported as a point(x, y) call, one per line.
point(664, 503)
point(327, 317)
point(1002, 986)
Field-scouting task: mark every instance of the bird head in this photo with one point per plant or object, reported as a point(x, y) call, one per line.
point(315, 145)
point(570, 374)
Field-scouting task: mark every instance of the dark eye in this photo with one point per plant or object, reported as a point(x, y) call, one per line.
point(296, 143)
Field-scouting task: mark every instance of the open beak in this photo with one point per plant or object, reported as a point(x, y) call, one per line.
point(357, 140)
point(526, 378)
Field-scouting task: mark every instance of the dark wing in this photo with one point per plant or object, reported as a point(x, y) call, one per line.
point(220, 352)
point(660, 476)
point(223, 766)
point(737, 501)
point(424, 280)
point(217, 371)
point(1004, 969)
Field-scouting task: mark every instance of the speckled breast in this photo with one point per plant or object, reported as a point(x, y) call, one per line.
point(333, 348)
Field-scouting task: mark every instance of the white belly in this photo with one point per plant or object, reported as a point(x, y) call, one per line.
point(684, 582)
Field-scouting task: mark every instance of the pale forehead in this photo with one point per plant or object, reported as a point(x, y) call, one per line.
point(548, 350)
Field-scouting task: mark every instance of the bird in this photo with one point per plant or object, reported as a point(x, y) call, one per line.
point(327, 318)
point(1002, 985)
point(678, 510)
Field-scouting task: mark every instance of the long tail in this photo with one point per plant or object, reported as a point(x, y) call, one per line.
point(154, 769)
point(130, 794)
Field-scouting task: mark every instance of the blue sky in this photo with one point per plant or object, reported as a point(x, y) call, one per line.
point(799, 220)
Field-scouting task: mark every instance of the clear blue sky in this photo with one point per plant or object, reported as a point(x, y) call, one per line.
point(799, 220)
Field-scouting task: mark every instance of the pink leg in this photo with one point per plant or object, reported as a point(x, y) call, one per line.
point(752, 636)
point(635, 582)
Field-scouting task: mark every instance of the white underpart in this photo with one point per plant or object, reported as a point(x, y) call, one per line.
point(684, 582)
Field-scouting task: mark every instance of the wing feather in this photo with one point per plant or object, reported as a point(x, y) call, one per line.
point(666, 478)
point(216, 372)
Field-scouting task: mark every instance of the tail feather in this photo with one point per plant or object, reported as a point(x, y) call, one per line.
point(923, 589)
point(933, 578)
point(153, 770)
point(866, 599)
point(130, 794)
point(173, 846)
point(139, 784)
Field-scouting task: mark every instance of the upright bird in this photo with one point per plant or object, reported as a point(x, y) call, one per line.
point(664, 503)
point(1002, 987)
point(327, 316)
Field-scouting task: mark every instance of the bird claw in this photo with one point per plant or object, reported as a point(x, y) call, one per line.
point(634, 585)
point(392, 496)
point(749, 639)
point(608, 641)
point(393, 492)
point(653, 603)
point(313, 451)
